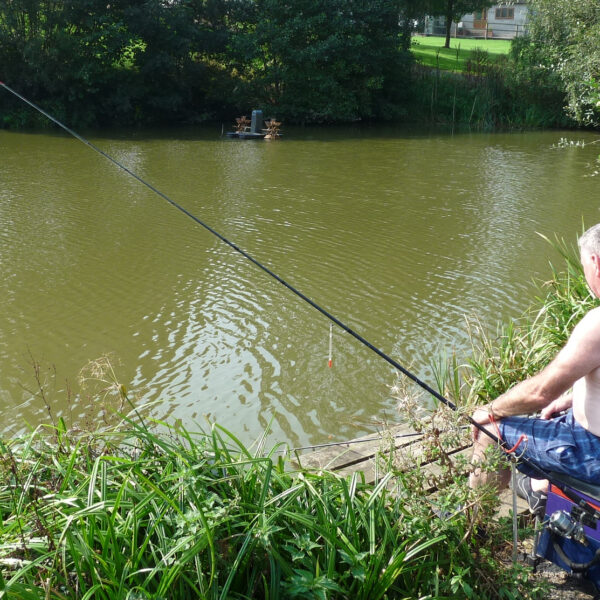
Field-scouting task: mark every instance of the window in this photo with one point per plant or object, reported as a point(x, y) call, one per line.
point(505, 12)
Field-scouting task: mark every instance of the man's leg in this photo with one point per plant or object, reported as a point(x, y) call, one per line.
point(480, 477)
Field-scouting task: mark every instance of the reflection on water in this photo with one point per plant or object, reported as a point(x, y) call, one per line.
point(400, 235)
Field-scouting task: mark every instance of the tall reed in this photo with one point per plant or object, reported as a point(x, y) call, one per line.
point(521, 347)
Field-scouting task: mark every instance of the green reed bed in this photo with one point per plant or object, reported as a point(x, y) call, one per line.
point(171, 515)
point(139, 514)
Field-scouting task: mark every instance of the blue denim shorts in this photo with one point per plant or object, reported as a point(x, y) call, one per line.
point(559, 444)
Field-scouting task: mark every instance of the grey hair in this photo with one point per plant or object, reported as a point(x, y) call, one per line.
point(590, 240)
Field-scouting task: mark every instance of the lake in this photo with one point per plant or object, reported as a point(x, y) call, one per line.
point(401, 234)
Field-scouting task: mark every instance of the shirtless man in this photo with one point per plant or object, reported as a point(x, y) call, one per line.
point(569, 443)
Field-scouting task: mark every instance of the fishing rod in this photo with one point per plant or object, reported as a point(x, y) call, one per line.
point(394, 363)
point(396, 436)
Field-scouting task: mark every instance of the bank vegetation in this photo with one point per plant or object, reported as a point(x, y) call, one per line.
point(93, 63)
point(134, 513)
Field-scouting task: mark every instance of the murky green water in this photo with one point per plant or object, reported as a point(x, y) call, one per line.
point(399, 234)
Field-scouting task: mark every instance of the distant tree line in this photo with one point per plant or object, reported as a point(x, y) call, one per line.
point(137, 62)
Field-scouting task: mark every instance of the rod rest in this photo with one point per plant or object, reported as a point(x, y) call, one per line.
point(581, 486)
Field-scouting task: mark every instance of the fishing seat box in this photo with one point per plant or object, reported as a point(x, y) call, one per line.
point(567, 551)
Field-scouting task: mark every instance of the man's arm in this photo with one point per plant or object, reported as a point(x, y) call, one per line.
point(580, 356)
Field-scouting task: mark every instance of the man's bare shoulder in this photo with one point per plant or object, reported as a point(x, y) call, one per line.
point(589, 327)
point(581, 354)
point(591, 318)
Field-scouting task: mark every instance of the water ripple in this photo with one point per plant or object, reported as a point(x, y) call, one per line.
point(400, 236)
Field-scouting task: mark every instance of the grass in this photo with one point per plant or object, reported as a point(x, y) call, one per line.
point(181, 516)
point(137, 514)
point(429, 51)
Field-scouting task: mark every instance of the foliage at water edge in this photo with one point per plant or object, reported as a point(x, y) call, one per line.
point(131, 513)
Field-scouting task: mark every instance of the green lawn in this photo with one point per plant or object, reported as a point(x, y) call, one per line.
point(429, 51)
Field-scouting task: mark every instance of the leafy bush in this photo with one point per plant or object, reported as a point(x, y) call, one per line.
point(565, 35)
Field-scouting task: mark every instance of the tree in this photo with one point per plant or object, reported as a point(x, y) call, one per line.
point(411, 12)
point(62, 52)
point(93, 62)
point(327, 60)
point(128, 61)
point(453, 10)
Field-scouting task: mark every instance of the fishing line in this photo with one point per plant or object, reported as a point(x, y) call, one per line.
point(579, 501)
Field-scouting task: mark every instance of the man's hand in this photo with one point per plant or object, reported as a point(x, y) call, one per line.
point(557, 406)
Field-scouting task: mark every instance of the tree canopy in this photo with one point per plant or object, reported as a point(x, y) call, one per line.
point(136, 62)
point(186, 60)
point(565, 40)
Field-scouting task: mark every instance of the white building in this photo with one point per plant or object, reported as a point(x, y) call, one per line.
point(503, 21)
